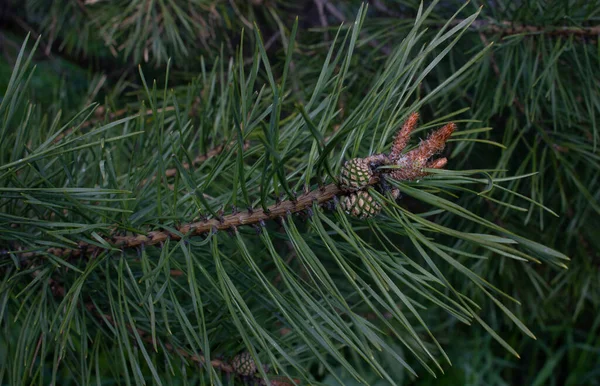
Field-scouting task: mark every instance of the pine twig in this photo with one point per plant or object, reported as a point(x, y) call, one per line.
point(58, 291)
point(119, 113)
point(409, 166)
point(507, 28)
point(111, 116)
point(231, 221)
point(197, 161)
point(200, 359)
point(101, 110)
point(147, 338)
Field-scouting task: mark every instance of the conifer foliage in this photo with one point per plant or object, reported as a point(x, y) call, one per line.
point(227, 192)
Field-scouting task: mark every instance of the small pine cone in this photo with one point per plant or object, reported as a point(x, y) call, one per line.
point(243, 364)
point(355, 174)
point(360, 204)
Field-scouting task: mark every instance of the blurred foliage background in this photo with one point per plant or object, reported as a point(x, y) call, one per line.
point(537, 87)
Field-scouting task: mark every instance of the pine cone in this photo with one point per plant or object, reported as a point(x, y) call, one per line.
point(355, 174)
point(360, 204)
point(243, 364)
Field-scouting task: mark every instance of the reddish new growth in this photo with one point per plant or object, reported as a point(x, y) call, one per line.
point(411, 164)
point(403, 136)
point(407, 166)
point(359, 174)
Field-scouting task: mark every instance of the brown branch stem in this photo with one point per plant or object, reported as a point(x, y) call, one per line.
point(231, 221)
point(508, 28)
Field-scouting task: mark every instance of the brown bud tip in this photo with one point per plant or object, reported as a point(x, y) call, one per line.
point(437, 164)
point(403, 135)
point(441, 136)
point(411, 122)
point(433, 144)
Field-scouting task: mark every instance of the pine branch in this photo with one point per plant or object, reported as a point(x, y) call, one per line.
point(59, 291)
point(231, 221)
point(147, 338)
point(101, 111)
point(216, 363)
point(197, 161)
point(402, 167)
point(169, 172)
point(507, 28)
point(536, 90)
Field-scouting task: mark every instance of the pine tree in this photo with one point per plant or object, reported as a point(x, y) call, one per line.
point(266, 213)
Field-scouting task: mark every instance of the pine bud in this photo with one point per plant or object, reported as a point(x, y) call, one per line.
point(355, 174)
point(360, 204)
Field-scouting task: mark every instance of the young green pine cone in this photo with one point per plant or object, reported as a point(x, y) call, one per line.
point(360, 204)
point(355, 174)
point(243, 364)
